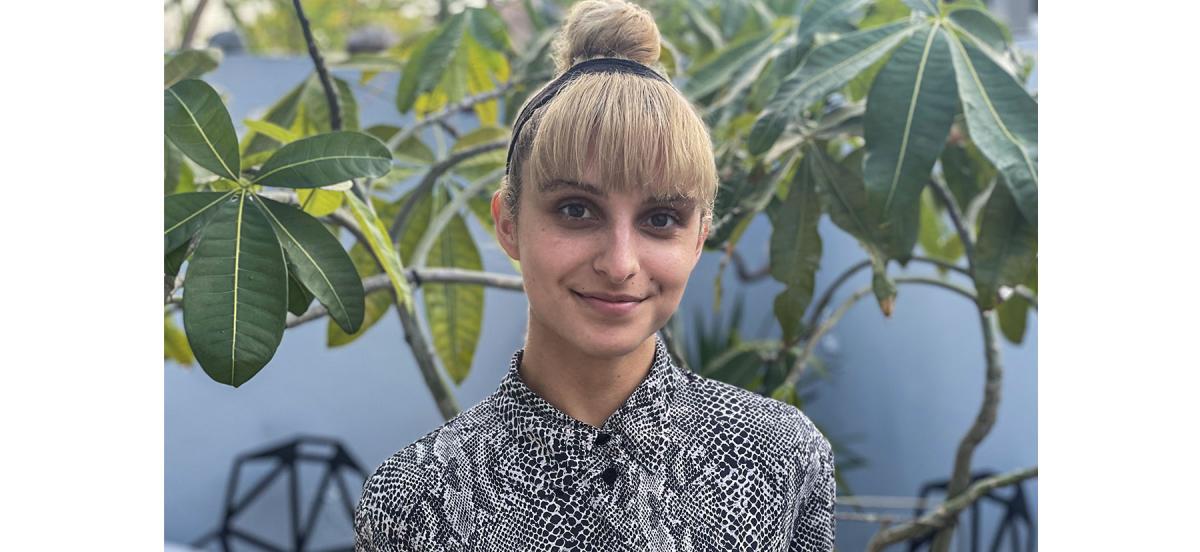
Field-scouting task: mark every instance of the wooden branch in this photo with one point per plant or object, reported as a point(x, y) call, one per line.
point(745, 274)
point(431, 176)
point(443, 395)
point(961, 476)
point(417, 277)
point(451, 110)
point(335, 112)
point(965, 235)
point(193, 23)
point(442, 218)
point(946, 513)
point(797, 369)
point(827, 296)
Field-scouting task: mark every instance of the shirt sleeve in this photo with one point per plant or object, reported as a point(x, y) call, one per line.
point(815, 525)
point(383, 520)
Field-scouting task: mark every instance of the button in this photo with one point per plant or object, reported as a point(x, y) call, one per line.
point(602, 439)
point(609, 475)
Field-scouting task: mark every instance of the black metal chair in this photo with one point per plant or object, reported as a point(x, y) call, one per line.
point(287, 458)
point(1017, 515)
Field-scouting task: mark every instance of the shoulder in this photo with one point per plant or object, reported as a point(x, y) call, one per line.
point(390, 494)
point(717, 408)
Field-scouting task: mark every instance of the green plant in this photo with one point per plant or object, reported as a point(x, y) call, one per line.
point(904, 122)
point(250, 258)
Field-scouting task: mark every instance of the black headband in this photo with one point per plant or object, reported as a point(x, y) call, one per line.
point(597, 65)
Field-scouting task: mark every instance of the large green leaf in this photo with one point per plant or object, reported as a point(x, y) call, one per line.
point(843, 194)
point(454, 311)
point(1002, 120)
point(189, 64)
point(795, 246)
point(826, 69)
point(488, 28)
point(326, 159)
point(376, 304)
point(967, 172)
point(825, 15)
point(428, 62)
point(910, 109)
point(197, 123)
point(926, 7)
point(173, 260)
point(982, 27)
point(186, 214)
point(1006, 248)
point(298, 298)
point(235, 295)
point(381, 245)
point(318, 261)
point(710, 75)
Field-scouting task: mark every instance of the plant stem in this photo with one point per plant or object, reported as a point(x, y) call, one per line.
point(827, 296)
point(798, 366)
point(443, 395)
point(379, 282)
point(431, 176)
point(335, 113)
point(193, 23)
point(465, 103)
point(439, 222)
point(945, 514)
point(961, 476)
point(956, 217)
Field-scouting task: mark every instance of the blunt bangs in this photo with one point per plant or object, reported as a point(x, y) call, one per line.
point(640, 134)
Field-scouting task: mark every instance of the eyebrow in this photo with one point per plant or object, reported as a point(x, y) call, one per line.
point(558, 184)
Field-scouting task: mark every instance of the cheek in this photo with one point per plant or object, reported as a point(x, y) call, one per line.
point(670, 267)
point(547, 255)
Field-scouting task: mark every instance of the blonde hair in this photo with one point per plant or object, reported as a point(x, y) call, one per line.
point(642, 133)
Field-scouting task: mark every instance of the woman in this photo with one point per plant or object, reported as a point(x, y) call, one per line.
point(595, 440)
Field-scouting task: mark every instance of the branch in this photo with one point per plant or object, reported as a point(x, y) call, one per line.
point(956, 217)
point(439, 222)
point(961, 476)
point(193, 23)
point(443, 395)
point(844, 276)
point(746, 275)
point(435, 172)
point(798, 366)
point(450, 110)
point(944, 515)
point(417, 277)
point(335, 112)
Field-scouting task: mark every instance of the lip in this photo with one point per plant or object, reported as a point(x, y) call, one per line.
point(609, 305)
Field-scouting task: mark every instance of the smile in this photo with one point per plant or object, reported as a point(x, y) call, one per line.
point(610, 305)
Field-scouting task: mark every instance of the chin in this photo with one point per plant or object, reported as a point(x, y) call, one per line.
point(611, 342)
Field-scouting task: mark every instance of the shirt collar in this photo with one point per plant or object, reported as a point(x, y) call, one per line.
point(639, 425)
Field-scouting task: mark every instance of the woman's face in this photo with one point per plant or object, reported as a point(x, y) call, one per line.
point(603, 270)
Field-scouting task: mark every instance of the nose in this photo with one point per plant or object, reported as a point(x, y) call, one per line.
point(618, 258)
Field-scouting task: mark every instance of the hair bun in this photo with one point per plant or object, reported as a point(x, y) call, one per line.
point(607, 28)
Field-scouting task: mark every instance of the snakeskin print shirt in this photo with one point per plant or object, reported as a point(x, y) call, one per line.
point(685, 464)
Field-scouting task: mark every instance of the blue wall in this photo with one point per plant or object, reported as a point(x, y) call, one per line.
point(902, 391)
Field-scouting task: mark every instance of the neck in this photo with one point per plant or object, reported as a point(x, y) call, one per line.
point(586, 388)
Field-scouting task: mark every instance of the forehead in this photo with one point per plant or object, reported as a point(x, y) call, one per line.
point(583, 186)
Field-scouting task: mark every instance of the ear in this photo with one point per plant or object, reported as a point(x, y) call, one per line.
point(506, 228)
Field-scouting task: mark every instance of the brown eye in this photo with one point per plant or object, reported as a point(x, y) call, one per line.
point(663, 221)
point(574, 210)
